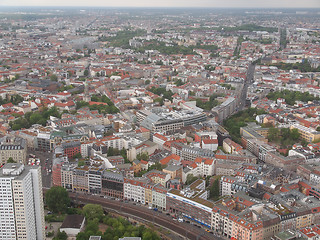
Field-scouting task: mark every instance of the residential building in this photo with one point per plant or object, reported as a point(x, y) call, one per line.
point(144, 147)
point(134, 189)
point(307, 134)
point(21, 202)
point(159, 196)
point(71, 148)
point(13, 147)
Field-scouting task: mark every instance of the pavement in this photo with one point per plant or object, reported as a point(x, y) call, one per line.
point(45, 166)
point(53, 226)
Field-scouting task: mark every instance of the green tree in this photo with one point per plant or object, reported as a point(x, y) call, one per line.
point(81, 163)
point(35, 117)
point(93, 211)
point(110, 151)
point(77, 155)
point(16, 76)
point(143, 156)
point(178, 82)
point(61, 236)
point(215, 189)
point(123, 153)
point(57, 199)
point(10, 160)
point(54, 78)
point(273, 134)
point(147, 82)
point(190, 179)
point(81, 104)
point(157, 166)
point(294, 134)
point(86, 72)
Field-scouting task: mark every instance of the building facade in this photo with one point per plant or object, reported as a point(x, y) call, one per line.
point(21, 208)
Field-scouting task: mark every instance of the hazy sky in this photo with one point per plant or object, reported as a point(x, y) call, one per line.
point(169, 3)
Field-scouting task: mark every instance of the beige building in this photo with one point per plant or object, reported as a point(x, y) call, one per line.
point(13, 147)
point(80, 179)
point(67, 177)
point(144, 147)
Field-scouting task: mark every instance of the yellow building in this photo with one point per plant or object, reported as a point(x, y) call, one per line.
point(307, 134)
point(304, 220)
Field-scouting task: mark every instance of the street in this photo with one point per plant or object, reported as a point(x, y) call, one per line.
point(45, 166)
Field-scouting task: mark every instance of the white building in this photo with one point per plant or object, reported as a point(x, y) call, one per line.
point(159, 139)
point(315, 177)
point(226, 185)
point(21, 202)
point(159, 195)
point(134, 189)
point(210, 144)
point(205, 167)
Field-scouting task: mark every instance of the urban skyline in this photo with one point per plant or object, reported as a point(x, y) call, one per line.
point(167, 3)
point(201, 121)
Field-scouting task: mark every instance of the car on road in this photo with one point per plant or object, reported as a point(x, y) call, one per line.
point(150, 207)
point(180, 220)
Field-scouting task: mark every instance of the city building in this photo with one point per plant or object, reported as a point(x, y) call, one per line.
point(13, 147)
point(21, 202)
point(307, 134)
point(112, 184)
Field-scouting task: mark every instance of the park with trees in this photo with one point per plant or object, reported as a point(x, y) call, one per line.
point(291, 96)
point(241, 119)
point(108, 108)
point(207, 105)
point(97, 222)
point(38, 117)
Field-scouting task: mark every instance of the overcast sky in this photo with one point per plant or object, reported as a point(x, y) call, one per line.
point(169, 3)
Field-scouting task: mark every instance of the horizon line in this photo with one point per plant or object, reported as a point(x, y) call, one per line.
point(173, 7)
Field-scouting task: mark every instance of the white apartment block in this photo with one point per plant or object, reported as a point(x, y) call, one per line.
point(159, 196)
point(315, 177)
point(134, 189)
point(21, 202)
point(205, 167)
point(226, 185)
point(84, 148)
